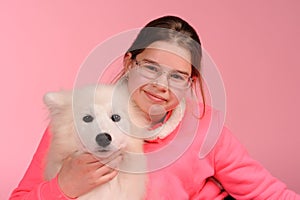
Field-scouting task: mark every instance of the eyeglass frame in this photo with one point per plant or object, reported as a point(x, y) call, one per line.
point(188, 81)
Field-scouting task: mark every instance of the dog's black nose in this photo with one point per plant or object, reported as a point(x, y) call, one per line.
point(103, 139)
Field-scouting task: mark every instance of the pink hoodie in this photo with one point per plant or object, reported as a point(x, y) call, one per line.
point(184, 178)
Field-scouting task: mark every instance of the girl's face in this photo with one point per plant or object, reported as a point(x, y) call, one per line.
point(155, 96)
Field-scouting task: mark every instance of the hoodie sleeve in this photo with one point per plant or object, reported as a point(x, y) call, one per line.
point(33, 186)
point(243, 177)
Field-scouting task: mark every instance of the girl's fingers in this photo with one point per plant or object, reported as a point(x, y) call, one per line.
point(111, 157)
point(92, 164)
point(83, 157)
point(115, 162)
point(107, 177)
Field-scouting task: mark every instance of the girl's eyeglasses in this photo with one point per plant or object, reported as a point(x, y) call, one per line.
point(152, 71)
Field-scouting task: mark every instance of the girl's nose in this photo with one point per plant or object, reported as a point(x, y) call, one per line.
point(162, 81)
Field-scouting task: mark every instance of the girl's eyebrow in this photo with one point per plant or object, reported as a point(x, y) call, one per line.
point(150, 61)
point(156, 63)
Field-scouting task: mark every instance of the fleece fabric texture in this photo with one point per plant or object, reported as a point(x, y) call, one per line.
point(182, 179)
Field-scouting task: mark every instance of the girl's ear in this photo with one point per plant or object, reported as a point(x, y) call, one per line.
point(127, 61)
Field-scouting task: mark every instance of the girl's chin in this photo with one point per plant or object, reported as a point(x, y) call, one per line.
point(157, 110)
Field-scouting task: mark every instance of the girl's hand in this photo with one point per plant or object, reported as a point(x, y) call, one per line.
point(82, 172)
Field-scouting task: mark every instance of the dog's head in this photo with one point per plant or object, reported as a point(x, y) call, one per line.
point(88, 115)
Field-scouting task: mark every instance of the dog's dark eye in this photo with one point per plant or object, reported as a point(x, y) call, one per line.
point(88, 118)
point(115, 117)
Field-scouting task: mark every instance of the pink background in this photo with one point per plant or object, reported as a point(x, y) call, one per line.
point(254, 43)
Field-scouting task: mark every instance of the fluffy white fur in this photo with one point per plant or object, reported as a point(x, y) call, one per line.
point(71, 133)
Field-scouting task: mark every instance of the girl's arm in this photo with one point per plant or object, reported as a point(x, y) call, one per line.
point(80, 173)
point(33, 186)
point(243, 177)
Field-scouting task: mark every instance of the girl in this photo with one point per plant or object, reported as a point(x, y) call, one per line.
point(161, 66)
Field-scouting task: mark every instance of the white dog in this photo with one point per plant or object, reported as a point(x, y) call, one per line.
point(95, 119)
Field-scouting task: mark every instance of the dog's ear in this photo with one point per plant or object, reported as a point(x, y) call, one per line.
point(56, 100)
